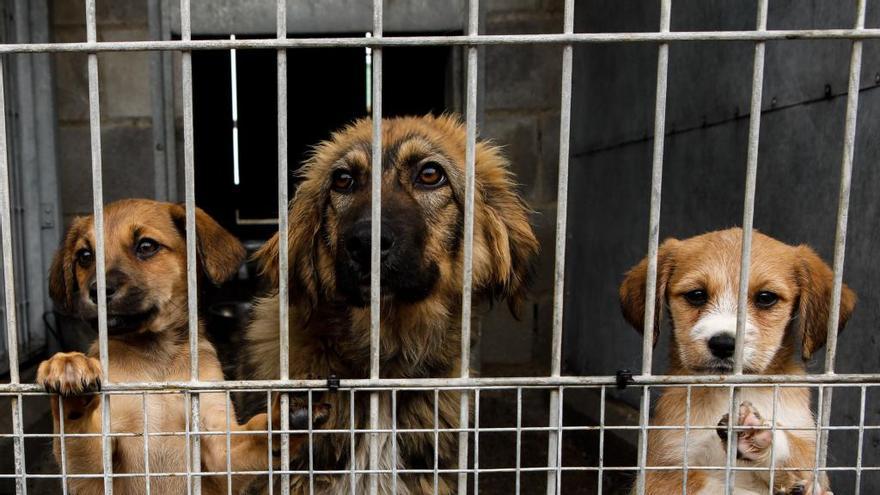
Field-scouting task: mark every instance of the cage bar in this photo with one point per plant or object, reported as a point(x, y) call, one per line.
point(375, 243)
point(436, 439)
point(283, 255)
point(846, 164)
point(601, 460)
point(559, 261)
point(687, 431)
point(773, 429)
point(519, 439)
point(9, 292)
point(446, 40)
point(653, 237)
point(100, 267)
point(749, 196)
point(63, 447)
point(191, 254)
point(858, 488)
point(473, 27)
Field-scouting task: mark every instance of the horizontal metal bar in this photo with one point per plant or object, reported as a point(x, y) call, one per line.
point(531, 469)
point(467, 40)
point(486, 429)
point(469, 383)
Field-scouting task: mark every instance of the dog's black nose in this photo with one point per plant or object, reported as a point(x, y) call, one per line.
point(722, 345)
point(114, 281)
point(358, 242)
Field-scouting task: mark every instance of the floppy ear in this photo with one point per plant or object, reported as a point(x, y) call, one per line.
point(632, 290)
point(511, 243)
point(304, 219)
point(62, 280)
point(815, 280)
point(220, 253)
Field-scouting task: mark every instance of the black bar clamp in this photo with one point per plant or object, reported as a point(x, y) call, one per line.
point(333, 383)
point(624, 379)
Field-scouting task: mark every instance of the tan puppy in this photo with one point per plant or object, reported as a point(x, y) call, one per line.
point(789, 294)
point(145, 259)
point(423, 168)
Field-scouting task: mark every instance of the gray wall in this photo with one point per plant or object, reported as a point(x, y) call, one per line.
point(704, 169)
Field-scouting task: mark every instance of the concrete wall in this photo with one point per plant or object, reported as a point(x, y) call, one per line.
point(126, 119)
point(521, 112)
point(704, 170)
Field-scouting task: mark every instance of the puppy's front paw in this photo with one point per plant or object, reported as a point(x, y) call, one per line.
point(753, 441)
point(70, 373)
point(299, 420)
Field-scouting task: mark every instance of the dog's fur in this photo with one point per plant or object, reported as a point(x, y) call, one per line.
point(423, 187)
point(802, 285)
point(145, 260)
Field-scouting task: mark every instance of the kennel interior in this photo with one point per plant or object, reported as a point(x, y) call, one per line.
point(762, 112)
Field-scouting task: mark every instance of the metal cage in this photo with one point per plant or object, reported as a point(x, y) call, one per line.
point(556, 384)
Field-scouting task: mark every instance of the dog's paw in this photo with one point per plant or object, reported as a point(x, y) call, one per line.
point(70, 373)
point(298, 419)
point(754, 440)
point(299, 416)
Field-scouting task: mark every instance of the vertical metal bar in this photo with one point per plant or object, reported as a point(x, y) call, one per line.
point(228, 445)
point(283, 235)
point(468, 254)
point(653, 236)
point(773, 435)
point(191, 260)
point(730, 458)
point(436, 440)
point(561, 219)
point(858, 487)
point(749, 200)
point(394, 441)
point(476, 441)
point(63, 447)
point(98, 210)
point(747, 223)
point(644, 412)
point(846, 164)
point(9, 292)
point(601, 441)
point(685, 449)
point(375, 244)
point(519, 438)
point(351, 445)
point(559, 425)
point(146, 444)
point(187, 444)
point(819, 436)
point(311, 449)
point(269, 426)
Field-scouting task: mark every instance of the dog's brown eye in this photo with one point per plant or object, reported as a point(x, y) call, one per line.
point(765, 299)
point(697, 297)
point(431, 175)
point(343, 181)
point(146, 248)
point(84, 258)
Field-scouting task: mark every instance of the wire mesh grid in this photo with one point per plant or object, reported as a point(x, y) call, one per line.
point(467, 388)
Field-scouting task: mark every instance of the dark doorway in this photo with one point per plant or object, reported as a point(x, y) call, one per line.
point(327, 88)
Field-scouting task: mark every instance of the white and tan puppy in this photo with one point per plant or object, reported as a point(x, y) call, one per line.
point(788, 302)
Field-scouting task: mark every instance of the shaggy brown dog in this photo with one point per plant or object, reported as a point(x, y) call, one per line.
point(422, 222)
point(145, 253)
point(789, 294)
